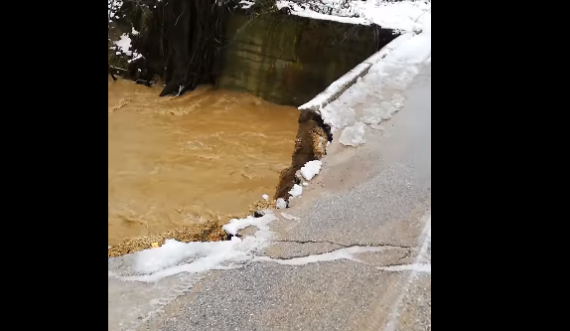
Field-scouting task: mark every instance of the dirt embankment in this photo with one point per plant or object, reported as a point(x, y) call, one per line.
point(209, 231)
point(310, 144)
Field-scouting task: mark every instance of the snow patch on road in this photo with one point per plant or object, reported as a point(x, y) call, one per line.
point(296, 191)
point(353, 135)
point(311, 169)
point(373, 90)
point(337, 87)
point(176, 257)
point(376, 96)
point(280, 203)
point(237, 224)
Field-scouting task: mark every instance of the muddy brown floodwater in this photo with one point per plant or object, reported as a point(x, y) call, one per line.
point(206, 155)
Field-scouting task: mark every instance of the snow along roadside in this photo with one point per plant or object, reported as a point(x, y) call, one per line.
point(374, 89)
point(339, 86)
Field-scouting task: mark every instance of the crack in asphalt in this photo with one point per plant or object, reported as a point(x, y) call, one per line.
point(309, 241)
point(346, 253)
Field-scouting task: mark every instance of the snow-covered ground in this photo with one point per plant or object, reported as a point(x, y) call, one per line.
point(113, 7)
point(376, 96)
point(402, 15)
point(123, 45)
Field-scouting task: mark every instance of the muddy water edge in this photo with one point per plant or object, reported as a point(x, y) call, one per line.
point(180, 167)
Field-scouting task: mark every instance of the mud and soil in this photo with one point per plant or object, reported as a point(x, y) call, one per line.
point(310, 144)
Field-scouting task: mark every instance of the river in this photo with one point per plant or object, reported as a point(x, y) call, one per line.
point(177, 161)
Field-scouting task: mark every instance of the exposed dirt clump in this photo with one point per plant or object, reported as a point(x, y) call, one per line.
point(310, 145)
point(260, 205)
point(209, 231)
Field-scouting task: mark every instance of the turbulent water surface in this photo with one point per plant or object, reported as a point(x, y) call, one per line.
point(177, 161)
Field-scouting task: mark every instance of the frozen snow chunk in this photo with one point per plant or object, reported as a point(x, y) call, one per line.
point(353, 135)
point(372, 115)
point(124, 44)
point(175, 257)
point(397, 98)
point(404, 78)
point(305, 184)
point(173, 252)
point(281, 204)
point(338, 115)
point(265, 197)
point(386, 110)
point(237, 224)
point(296, 191)
point(382, 112)
point(397, 102)
point(311, 169)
